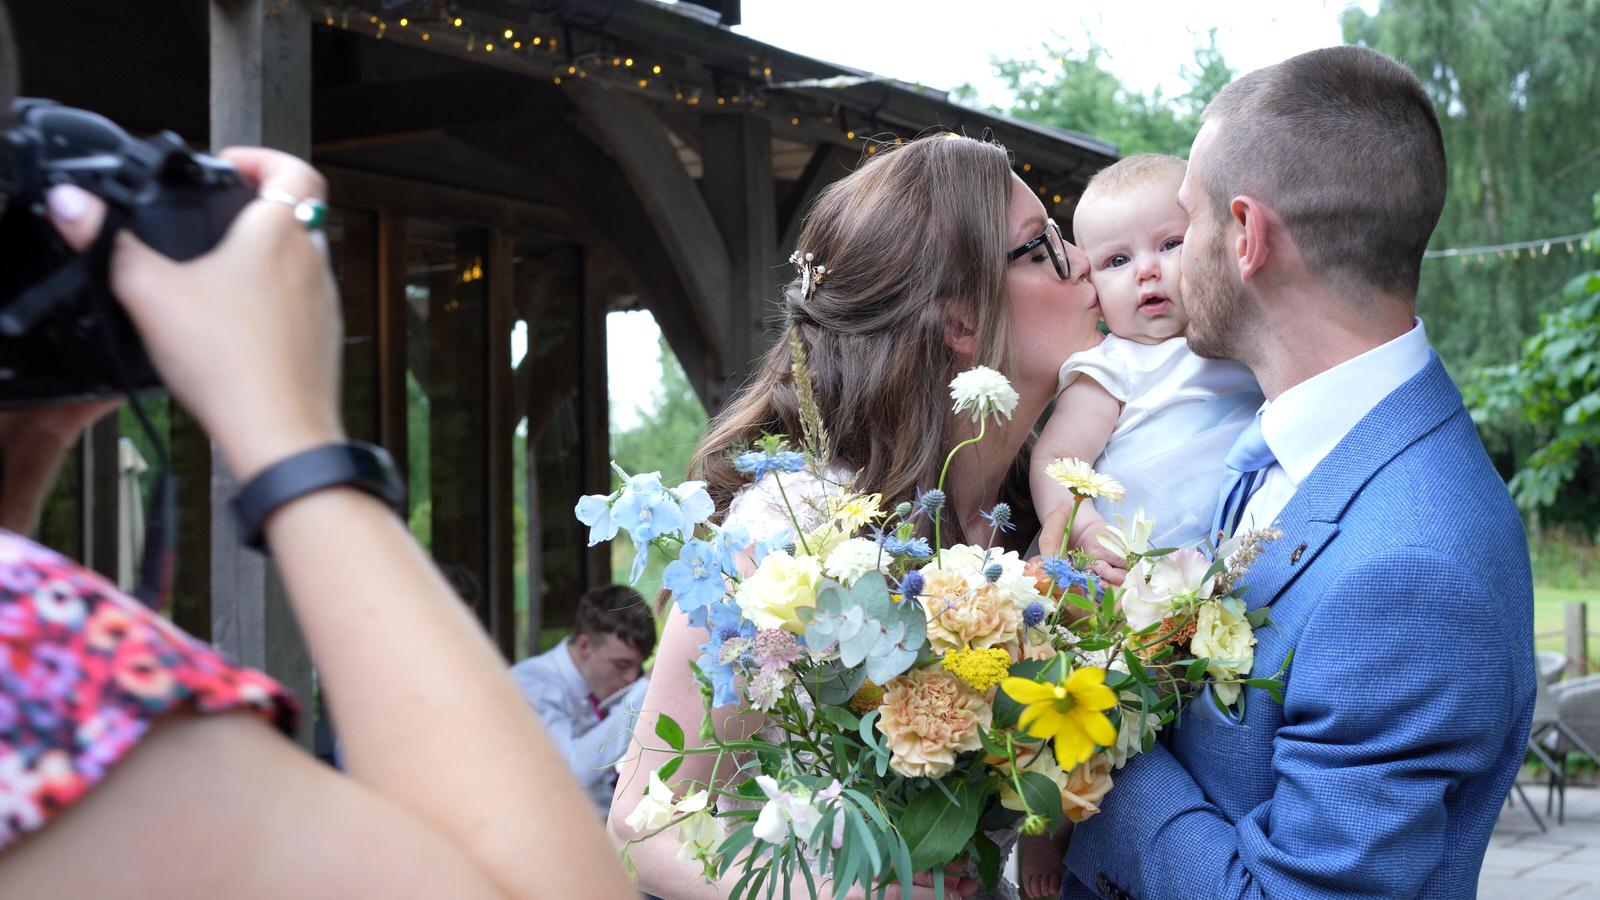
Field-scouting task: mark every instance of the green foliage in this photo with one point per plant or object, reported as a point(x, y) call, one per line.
point(665, 436)
point(1074, 91)
point(937, 826)
point(1516, 83)
point(1551, 393)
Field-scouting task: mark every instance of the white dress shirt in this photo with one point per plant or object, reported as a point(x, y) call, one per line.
point(592, 745)
point(1305, 423)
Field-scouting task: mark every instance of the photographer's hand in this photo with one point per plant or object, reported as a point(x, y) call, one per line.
point(246, 337)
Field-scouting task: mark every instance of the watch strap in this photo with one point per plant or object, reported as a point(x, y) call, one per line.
point(357, 464)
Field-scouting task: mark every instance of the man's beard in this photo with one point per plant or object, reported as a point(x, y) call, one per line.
point(1216, 305)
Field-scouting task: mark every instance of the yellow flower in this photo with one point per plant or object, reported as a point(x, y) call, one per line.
point(779, 588)
point(1072, 712)
point(1082, 480)
point(852, 511)
point(981, 668)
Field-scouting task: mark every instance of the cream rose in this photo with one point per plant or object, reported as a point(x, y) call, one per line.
point(781, 586)
point(1226, 639)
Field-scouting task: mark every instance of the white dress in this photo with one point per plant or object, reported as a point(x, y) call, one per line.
point(1181, 412)
point(761, 509)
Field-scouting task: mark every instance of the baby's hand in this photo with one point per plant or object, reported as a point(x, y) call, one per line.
point(1110, 567)
point(1040, 869)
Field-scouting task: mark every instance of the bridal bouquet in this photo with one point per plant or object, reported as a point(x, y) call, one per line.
point(918, 700)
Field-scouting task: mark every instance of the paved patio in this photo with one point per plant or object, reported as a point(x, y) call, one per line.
point(1525, 864)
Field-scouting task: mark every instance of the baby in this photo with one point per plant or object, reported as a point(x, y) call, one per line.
point(1141, 406)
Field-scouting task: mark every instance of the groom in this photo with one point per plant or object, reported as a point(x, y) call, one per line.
point(1401, 582)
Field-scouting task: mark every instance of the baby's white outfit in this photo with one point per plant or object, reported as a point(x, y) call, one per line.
point(1181, 412)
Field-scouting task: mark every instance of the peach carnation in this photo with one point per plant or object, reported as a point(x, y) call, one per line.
point(960, 616)
point(928, 716)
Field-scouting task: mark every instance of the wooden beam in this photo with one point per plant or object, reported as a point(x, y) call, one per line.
point(260, 94)
point(827, 165)
point(594, 406)
point(739, 193)
point(100, 495)
point(694, 244)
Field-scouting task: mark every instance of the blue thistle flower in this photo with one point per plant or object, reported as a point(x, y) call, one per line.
point(932, 501)
point(911, 586)
point(993, 571)
point(912, 548)
point(1033, 614)
point(902, 510)
point(1000, 517)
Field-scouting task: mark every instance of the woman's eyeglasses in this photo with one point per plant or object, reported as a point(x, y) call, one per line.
point(1050, 238)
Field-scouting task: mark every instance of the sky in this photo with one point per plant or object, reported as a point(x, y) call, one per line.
point(942, 44)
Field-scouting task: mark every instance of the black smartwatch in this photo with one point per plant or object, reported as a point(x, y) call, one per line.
point(363, 466)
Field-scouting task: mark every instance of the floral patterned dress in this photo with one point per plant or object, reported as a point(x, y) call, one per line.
point(85, 671)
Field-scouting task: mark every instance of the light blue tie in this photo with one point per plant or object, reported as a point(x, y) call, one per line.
point(1246, 463)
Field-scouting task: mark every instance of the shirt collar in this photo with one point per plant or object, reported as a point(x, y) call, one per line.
point(571, 678)
point(1305, 423)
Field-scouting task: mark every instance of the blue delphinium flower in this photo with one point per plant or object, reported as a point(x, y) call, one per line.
point(783, 540)
point(1000, 517)
point(911, 586)
point(725, 622)
point(646, 509)
point(913, 548)
point(1033, 614)
point(729, 541)
point(757, 463)
point(641, 558)
point(694, 578)
point(594, 510)
point(695, 504)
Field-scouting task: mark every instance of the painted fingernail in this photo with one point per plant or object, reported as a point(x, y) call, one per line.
point(67, 203)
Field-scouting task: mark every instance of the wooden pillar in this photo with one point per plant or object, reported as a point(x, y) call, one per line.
point(99, 508)
point(737, 184)
point(503, 415)
point(1577, 640)
point(260, 94)
point(594, 404)
point(392, 433)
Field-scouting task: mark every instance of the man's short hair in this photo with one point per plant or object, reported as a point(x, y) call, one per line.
point(620, 610)
point(1345, 145)
point(1131, 172)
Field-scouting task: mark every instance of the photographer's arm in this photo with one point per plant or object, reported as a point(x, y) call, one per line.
point(429, 720)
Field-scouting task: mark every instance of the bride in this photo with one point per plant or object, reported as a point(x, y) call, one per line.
point(937, 258)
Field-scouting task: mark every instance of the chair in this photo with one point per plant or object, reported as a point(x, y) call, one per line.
point(1565, 716)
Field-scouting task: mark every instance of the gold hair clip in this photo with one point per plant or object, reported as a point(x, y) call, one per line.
point(811, 273)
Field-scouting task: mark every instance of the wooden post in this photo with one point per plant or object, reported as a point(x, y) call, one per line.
point(1577, 640)
point(99, 508)
point(594, 404)
point(503, 415)
point(737, 150)
point(260, 94)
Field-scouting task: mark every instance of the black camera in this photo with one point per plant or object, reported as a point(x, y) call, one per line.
point(63, 336)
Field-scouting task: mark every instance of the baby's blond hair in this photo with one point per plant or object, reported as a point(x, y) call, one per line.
point(1134, 171)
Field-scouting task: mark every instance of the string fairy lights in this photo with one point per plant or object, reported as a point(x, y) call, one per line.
point(1588, 241)
point(544, 52)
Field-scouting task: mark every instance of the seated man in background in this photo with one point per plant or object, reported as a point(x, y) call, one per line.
point(588, 688)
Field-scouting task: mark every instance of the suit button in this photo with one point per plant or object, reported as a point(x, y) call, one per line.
point(1102, 885)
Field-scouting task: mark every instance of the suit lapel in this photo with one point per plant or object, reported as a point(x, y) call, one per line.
point(1312, 518)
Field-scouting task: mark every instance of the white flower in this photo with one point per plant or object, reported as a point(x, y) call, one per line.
point(971, 560)
point(699, 836)
point(656, 808)
point(786, 812)
point(1126, 539)
point(767, 687)
point(983, 390)
point(1142, 601)
point(1183, 572)
point(855, 558)
point(1130, 736)
point(1082, 480)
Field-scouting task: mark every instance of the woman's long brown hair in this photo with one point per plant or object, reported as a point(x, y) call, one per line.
point(913, 238)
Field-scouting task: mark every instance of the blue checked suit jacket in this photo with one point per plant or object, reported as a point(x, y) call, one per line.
point(1401, 583)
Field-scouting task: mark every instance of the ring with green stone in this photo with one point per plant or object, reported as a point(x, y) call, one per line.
point(309, 212)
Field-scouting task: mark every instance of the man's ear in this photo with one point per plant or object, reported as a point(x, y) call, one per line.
point(584, 643)
point(1258, 226)
point(960, 330)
